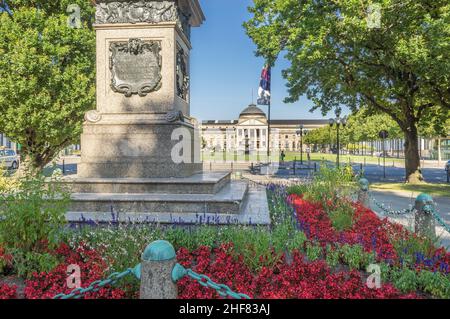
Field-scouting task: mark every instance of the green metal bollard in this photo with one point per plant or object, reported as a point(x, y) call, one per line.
point(424, 223)
point(363, 193)
point(158, 262)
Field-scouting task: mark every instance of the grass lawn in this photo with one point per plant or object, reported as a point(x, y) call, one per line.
point(290, 156)
point(442, 190)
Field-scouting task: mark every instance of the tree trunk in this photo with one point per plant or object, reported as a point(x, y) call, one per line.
point(412, 158)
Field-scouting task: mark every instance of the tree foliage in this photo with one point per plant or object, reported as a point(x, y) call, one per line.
point(399, 68)
point(47, 75)
point(361, 127)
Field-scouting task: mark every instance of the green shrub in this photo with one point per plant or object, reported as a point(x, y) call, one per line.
point(32, 215)
point(297, 242)
point(328, 184)
point(405, 280)
point(342, 217)
point(313, 252)
point(26, 263)
point(332, 256)
point(385, 272)
point(355, 257)
point(436, 283)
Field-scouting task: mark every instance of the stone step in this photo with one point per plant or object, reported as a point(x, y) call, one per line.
point(254, 211)
point(204, 183)
point(228, 200)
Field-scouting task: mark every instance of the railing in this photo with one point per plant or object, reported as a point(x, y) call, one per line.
point(424, 211)
point(159, 273)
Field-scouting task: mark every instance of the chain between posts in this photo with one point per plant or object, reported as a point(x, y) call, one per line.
point(392, 212)
point(223, 290)
point(431, 210)
point(95, 286)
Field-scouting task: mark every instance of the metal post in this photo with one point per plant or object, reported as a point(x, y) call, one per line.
point(64, 166)
point(158, 262)
point(210, 166)
point(384, 159)
point(363, 193)
point(301, 146)
point(338, 146)
point(268, 133)
point(315, 167)
point(295, 161)
point(424, 223)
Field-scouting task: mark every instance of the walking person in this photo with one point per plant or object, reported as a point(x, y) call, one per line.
point(283, 155)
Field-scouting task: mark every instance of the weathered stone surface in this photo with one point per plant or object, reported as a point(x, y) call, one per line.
point(204, 183)
point(254, 211)
point(424, 222)
point(228, 201)
point(136, 151)
point(156, 280)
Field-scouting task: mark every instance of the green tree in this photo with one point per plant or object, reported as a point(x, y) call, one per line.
point(321, 136)
point(399, 67)
point(363, 126)
point(47, 74)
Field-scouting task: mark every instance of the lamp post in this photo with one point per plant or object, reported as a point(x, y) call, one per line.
point(384, 135)
point(300, 132)
point(338, 121)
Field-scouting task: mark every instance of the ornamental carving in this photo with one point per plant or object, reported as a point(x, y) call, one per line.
point(182, 75)
point(135, 67)
point(136, 11)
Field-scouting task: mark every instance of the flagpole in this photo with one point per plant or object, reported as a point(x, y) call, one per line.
point(268, 134)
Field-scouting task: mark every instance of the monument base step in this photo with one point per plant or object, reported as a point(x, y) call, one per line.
point(203, 183)
point(254, 211)
point(228, 200)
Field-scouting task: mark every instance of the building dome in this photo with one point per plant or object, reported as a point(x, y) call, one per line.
point(252, 110)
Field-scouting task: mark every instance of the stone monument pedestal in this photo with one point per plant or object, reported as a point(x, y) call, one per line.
point(140, 148)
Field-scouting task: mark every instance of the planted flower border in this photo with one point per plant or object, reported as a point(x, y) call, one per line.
point(315, 249)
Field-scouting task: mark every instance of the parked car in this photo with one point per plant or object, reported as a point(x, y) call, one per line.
point(9, 159)
point(447, 166)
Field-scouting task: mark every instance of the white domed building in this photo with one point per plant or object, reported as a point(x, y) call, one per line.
point(250, 132)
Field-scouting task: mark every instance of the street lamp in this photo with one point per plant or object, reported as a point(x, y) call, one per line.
point(300, 132)
point(338, 121)
point(384, 135)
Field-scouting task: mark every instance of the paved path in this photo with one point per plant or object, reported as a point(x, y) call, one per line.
point(398, 200)
point(373, 172)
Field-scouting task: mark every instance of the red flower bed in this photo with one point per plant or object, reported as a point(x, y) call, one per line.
point(374, 234)
point(298, 279)
point(8, 292)
point(93, 267)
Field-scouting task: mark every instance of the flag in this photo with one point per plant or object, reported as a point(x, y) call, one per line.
point(264, 87)
point(5, 8)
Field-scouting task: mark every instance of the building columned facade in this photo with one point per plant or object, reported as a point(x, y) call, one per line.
point(250, 132)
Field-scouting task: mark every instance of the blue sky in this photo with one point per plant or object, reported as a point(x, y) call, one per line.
point(224, 69)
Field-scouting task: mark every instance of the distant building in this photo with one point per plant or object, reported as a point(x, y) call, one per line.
point(250, 132)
